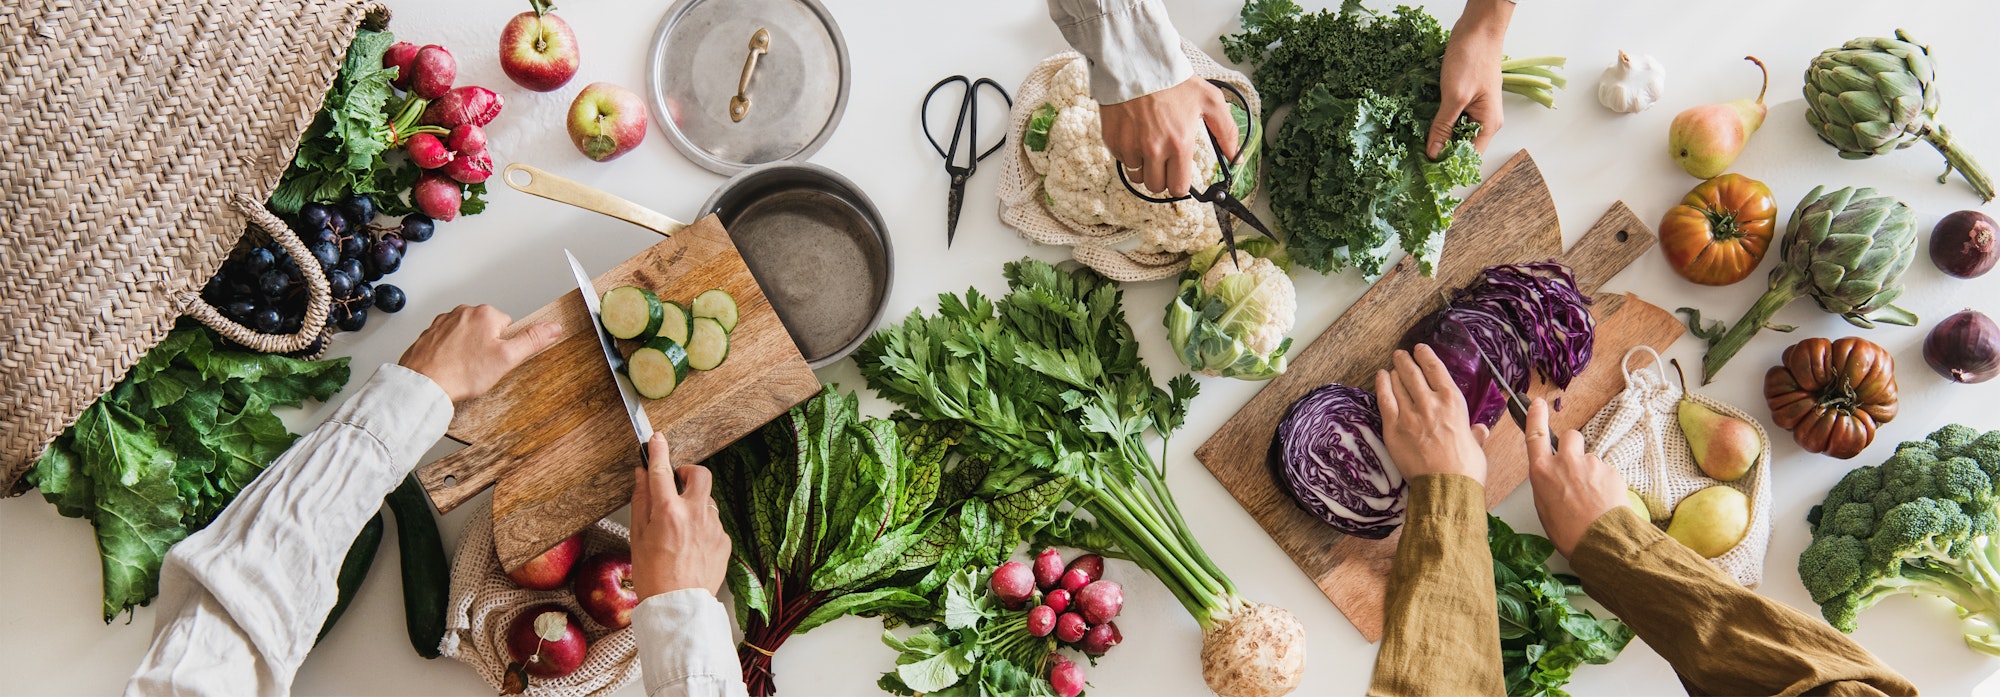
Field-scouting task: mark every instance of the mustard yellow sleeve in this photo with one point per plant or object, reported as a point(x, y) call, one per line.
point(1720, 638)
point(1441, 633)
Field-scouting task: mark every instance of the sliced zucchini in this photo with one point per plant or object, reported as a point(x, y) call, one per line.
point(716, 304)
point(630, 312)
point(657, 368)
point(678, 322)
point(708, 344)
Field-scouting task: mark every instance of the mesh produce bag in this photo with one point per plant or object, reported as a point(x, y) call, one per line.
point(1111, 251)
point(1639, 433)
point(484, 602)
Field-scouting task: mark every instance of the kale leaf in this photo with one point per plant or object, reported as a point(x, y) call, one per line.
point(163, 452)
point(1348, 171)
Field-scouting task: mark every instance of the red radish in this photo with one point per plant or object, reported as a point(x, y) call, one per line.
point(470, 169)
point(462, 105)
point(1064, 676)
point(439, 197)
point(1041, 620)
point(1100, 638)
point(427, 151)
point(399, 56)
point(468, 139)
point(434, 69)
point(1070, 627)
point(1074, 580)
point(1048, 568)
point(1013, 583)
point(1091, 564)
point(529, 642)
point(1057, 599)
point(1100, 601)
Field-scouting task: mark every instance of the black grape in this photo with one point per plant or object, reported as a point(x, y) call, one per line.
point(359, 209)
point(273, 283)
point(259, 259)
point(418, 227)
point(355, 320)
point(352, 245)
point(364, 294)
point(339, 283)
point(267, 320)
point(314, 216)
point(327, 254)
point(351, 267)
point(384, 256)
point(389, 298)
point(239, 310)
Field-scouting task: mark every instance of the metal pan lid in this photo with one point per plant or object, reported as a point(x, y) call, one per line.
point(795, 93)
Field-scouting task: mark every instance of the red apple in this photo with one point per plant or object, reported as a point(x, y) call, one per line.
point(603, 586)
point(550, 570)
point(529, 642)
point(538, 50)
point(606, 121)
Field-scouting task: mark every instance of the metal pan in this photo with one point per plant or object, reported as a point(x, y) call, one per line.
point(818, 249)
point(811, 238)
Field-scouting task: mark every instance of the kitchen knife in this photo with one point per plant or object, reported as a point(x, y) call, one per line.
point(1516, 406)
point(642, 425)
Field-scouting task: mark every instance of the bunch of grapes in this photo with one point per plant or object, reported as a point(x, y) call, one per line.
point(263, 288)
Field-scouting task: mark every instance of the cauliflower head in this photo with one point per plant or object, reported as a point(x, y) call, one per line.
point(1231, 315)
point(1080, 177)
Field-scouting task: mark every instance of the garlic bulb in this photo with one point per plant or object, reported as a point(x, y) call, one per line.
point(1632, 84)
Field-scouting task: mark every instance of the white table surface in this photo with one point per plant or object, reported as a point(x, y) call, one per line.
point(51, 641)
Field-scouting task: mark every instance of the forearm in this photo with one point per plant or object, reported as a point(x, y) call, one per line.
point(1489, 17)
point(242, 600)
point(685, 647)
point(1132, 47)
point(1720, 637)
point(1441, 633)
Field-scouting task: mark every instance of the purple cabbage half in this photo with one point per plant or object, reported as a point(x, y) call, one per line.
point(1330, 458)
point(1525, 317)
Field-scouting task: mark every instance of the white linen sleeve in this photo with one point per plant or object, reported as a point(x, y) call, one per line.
point(685, 647)
point(242, 600)
point(1132, 47)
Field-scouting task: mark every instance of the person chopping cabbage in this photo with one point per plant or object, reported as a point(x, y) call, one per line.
point(1441, 633)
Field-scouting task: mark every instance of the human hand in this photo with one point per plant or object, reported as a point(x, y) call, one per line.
point(1154, 137)
point(1572, 487)
point(677, 536)
point(1424, 421)
point(1469, 82)
point(464, 354)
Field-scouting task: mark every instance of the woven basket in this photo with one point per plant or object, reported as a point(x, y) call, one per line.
point(140, 140)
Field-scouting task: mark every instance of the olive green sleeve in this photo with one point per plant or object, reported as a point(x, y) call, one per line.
point(1441, 632)
point(1720, 638)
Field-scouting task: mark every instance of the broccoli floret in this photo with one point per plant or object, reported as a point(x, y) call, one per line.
point(1919, 523)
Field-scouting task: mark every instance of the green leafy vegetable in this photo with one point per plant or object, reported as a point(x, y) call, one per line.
point(833, 515)
point(1348, 171)
point(1036, 137)
point(359, 124)
point(975, 637)
point(1543, 639)
point(160, 454)
point(1049, 383)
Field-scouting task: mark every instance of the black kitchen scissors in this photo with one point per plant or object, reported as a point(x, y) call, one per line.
point(1216, 193)
point(964, 128)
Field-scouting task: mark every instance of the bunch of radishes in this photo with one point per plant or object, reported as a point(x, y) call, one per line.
point(1072, 601)
point(441, 127)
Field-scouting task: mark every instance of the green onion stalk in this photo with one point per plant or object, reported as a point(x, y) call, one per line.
point(1535, 78)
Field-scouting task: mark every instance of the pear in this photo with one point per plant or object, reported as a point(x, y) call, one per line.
point(1706, 139)
point(1711, 521)
point(1638, 505)
point(1724, 447)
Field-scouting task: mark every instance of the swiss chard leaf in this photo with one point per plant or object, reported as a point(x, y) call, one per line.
point(1543, 639)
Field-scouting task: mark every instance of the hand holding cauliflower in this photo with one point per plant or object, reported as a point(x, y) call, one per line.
point(1080, 182)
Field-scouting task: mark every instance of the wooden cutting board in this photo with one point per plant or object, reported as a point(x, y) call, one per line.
point(552, 438)
point(1509, 219)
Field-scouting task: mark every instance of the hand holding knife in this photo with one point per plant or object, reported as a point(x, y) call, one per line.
point(642, 424)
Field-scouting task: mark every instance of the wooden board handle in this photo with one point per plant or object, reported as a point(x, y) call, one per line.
point(533, 180)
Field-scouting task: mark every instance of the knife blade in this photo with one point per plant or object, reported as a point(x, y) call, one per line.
point(642, 424)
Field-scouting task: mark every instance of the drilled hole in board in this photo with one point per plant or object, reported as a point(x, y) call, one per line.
point(450, 480)
point(1623, 236)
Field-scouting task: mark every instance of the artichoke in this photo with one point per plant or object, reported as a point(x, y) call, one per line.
point(1847, 249)
point(1873, 95)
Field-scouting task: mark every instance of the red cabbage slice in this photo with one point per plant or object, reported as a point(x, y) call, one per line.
point(1525, 317)
point(1330, 458)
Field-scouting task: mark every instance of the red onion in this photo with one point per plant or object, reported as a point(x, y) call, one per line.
point(1962, 244)
point(1965, 347)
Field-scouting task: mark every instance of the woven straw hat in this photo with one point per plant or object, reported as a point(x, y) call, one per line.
point(138, 142)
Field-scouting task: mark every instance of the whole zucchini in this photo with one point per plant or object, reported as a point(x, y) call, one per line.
point(353, 570)
point(426, 572)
